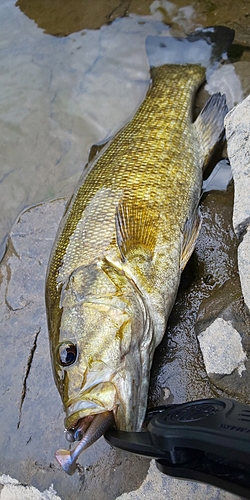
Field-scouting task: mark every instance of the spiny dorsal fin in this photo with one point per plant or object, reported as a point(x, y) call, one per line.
point(190, 235)
point(209, 125)
point(135, 228)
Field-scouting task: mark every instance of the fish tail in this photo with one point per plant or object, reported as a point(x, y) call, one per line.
point(204, 46)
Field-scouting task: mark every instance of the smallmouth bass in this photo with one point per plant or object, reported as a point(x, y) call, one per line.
point(122, 244)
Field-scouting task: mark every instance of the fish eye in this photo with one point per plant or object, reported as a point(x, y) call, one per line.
point(67, 353)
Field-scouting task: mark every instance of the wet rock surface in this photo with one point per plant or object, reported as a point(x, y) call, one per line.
point(11, 489)
point(238, 133)
point(30, 405)
point(61, 94)
point(60, 18)
point(210, 289)
point(63, 84)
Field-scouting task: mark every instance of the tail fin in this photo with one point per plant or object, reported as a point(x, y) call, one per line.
point(204, 46)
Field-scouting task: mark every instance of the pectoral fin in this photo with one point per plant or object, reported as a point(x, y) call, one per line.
point(209, 125)
point(190, 235)
point(135, 228)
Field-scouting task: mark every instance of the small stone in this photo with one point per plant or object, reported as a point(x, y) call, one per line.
point(221, 348)
point(167, 393)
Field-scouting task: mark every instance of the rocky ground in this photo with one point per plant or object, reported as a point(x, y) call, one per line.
point(210, 303)
point(205, 352)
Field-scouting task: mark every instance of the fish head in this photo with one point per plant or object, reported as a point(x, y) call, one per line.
point(101, 352)
point(85, 368)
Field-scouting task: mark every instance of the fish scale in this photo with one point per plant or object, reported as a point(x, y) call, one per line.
point(125, 237)
point(140, 170)
point(141, 160)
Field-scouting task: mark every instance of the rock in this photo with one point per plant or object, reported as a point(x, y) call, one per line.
point(226, 81)
point(242, 69)
point(221, 348)
point(13, 490)
point(232, 80)
point(237, 123)
point(244, 266)
point(30, 405)
point(166, 487)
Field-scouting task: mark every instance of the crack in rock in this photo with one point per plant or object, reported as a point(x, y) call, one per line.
point(124, 5)
point(28, 367)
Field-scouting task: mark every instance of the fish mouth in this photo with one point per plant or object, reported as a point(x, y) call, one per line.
point(81, 409)
point(98, 399)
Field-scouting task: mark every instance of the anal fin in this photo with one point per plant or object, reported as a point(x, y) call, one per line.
point(190, 235)
point(209, 125)
point(135, 228)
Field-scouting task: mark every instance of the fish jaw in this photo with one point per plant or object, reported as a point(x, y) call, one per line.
point(100, 398)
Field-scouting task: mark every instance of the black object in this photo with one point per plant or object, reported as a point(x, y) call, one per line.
point(206, 440)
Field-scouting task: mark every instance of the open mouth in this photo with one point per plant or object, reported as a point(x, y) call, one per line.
point(97, 399)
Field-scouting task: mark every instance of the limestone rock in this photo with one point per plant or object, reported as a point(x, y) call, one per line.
point(222, 349)
point(237, 124)
point(13, 490)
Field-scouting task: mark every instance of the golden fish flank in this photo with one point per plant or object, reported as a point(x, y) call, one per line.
point(129, 205)
point(125, 237)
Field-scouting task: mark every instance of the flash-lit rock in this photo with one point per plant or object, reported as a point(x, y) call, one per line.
point(226, 81)
point(244, 266)
point(237, 124)
point(160, 486)
point(13, 490)
point(59, 96)
point(222, 349)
